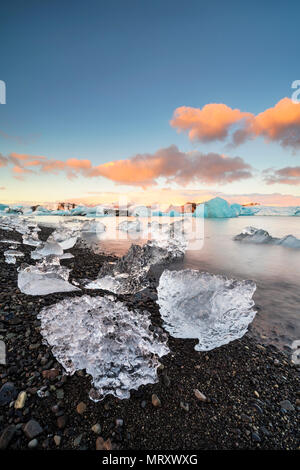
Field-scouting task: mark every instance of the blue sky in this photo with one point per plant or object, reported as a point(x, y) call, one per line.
point(100, 80)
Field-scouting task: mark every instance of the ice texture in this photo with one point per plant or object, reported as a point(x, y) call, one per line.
point(211, 308)
point(130, 273)
point(44, 278)
point(130, 226)
point(260, 236)
point(31, 239)
point(65, 238)
point(12, 255)
point(112, 343)
point(216, 208)
point(93, 226)
point(46, 249)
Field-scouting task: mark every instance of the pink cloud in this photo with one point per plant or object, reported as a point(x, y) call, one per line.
point(144, 169)
point(288, 175)
point(177, 167)
point(215, 121)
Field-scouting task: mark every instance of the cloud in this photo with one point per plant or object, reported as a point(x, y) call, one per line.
point(3, 161)
point(288, 175)
point(212, 122)
point(217, 121)
point(2, 188)
point(143, 169)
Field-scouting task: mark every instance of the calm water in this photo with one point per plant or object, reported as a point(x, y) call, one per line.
point(275, 269)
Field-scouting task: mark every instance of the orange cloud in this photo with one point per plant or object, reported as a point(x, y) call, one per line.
point(177, 167)
point(210, 123)
point(216, 121)
point(144, 169)
point(19, 172)
point(3, 161)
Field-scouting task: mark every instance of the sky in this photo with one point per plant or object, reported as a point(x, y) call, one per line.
point(161, 100)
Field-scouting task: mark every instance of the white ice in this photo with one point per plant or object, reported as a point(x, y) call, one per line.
point(260, 236)
point(44, 278)
point(211, 308)
point(112, 343)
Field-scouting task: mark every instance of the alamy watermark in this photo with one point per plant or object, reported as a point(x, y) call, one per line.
point(2, 92)
point(296, 94)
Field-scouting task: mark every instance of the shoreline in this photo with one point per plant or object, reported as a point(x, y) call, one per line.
point(245, 382)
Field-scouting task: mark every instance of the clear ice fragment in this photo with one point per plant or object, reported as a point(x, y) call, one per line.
point(112, 343)
point(211, 308)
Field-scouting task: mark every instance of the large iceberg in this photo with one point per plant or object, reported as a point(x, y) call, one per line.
point(112, 343)
point(216, 208)
point(211, 308)
point(44, 278)
point(260, 236)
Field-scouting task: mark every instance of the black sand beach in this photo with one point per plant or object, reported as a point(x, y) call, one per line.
point(252, 391)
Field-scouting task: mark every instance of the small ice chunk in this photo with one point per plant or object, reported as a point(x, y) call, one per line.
point(93, 226)
point(64, 237)
point(130, 273)
point(12, 255)
point(130, 226)
point(213, 309)
point(112, 343)
point(44, 278)
point(46, 249)
point(31, 239)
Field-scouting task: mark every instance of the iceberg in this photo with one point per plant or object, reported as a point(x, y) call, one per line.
point(139, 211)
point(216, 208)
point(247, 210)
point(46, 277)
point(275, 210)
point(213, 309)
point(112, 343)
point(93, 226)
point(259, 236)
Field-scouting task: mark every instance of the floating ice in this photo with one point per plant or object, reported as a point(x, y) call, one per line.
point(93, 226)
point(216, 208)
point(44, 278)
point(130, 226)
point(113, 344)
point(259, 236)
point(213, 309)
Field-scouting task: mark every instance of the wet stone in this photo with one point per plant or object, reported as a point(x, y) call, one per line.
point(7, 393)
point(32, 429)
